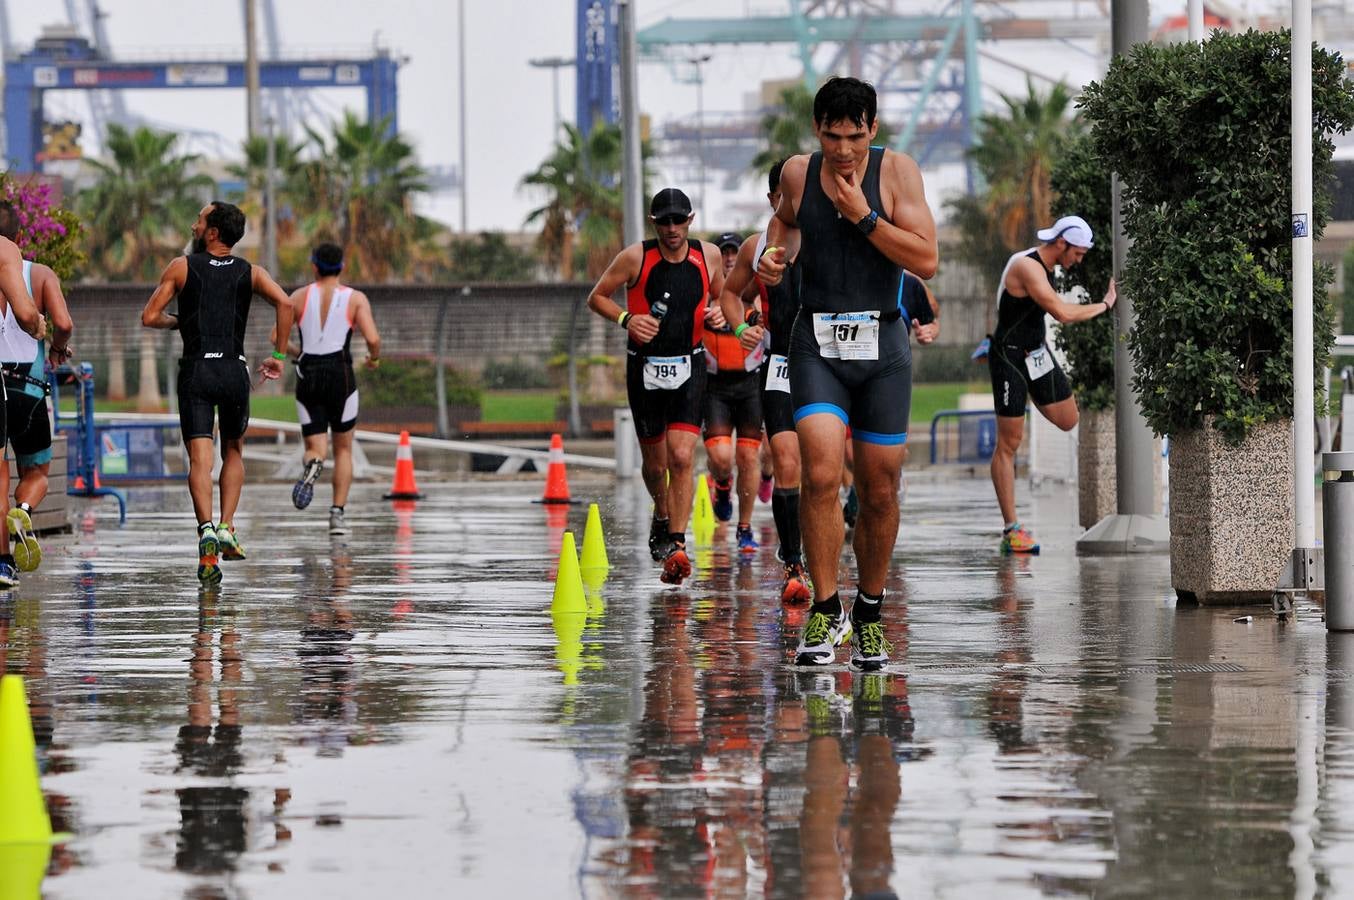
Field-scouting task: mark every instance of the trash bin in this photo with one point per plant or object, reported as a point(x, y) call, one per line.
point(1337, 501)
point(627, 443)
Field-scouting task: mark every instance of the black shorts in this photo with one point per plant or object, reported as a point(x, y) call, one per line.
point(27, 426)
point(1012, 385)
point(211, 386)
point(326, 397)
point(872, 397)
point(656, 411)
point(778, 411)
point(733, 403)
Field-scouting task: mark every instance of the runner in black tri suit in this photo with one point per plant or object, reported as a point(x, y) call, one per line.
point(1020, 362)
point(863, 218)
point(777, 307)
point(668, 282)
point(214, 290)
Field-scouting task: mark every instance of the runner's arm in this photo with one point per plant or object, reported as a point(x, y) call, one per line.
point(172, 281)
point(366, 323)
point(733, 299)
point(14, 289)
point(1030, 275)
point(927, 334)
point(784, 225)
point(910, 238)
point(54, 305)
point(623, 271)
point(264, 285)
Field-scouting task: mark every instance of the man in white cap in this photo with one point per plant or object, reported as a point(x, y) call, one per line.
point(1022, 366)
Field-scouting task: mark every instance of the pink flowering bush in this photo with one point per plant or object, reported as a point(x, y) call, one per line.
point(48, 233)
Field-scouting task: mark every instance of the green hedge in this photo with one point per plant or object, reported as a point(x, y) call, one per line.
point(412, 382)
point(1199, 135)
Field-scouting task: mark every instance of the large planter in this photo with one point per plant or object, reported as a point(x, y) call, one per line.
point(1231, 513)
point(1097, 469)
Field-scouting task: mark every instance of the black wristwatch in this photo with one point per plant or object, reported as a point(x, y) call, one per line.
point(867, 224)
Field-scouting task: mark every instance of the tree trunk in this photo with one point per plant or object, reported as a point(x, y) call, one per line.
point(117, 364)
point(148, 397)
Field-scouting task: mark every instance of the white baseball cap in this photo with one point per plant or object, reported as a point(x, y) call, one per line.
point(1072, 229)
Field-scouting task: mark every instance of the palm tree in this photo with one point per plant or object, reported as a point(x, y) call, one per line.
point(359, 191)
point(287, 168)
point(1015, 154)
point(581, 181)
point(137, 213)
point(142, 204)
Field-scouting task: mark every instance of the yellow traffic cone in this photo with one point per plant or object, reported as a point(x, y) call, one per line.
point(594, 542)
point(22, 867)
point(569, 596)
point(702, 513)
point(25, 814)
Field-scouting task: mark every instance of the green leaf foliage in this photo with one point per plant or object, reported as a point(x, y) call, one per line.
point(1082, 182)
point(1199, 135)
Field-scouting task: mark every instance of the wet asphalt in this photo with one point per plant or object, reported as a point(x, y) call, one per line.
point(397, 712)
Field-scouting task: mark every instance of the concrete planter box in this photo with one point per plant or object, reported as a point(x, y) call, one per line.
point(1231, 514)
point(1097, 468)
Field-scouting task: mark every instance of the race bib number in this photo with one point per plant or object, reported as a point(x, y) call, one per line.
point(1039, 363)
point(666, 373)
point(852, 335)
point(778, 373)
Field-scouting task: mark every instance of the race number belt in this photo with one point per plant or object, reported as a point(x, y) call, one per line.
point(666, 373)
point(17, 375)
point(1038, 363)
point(850, 335)
point(778, 373)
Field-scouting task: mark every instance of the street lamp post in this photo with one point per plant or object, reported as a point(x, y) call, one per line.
point(554, 64)
point(699, 61)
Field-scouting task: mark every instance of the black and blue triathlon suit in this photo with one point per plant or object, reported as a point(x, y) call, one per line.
point(213, 373)
point(665, 378)
point(1021, 332)
point(849, 289)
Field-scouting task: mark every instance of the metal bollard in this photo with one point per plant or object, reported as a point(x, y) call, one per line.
point(627, 443)
point(1337, 501)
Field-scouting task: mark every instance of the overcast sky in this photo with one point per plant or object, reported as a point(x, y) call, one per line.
point(509, 108)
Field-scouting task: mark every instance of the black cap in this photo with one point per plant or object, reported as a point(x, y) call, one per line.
point(670, 202)
point(729, 239)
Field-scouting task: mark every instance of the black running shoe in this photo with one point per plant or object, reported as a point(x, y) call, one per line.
point(658, 539)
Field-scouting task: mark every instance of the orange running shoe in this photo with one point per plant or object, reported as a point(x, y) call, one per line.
point(1018, 539)
point(796, 587)
point(676, 564)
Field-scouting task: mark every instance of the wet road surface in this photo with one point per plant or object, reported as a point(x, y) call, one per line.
point(397, 712)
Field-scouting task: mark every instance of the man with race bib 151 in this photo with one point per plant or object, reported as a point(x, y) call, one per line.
point(668, 283)
point(862, 216)
point(1021, 364)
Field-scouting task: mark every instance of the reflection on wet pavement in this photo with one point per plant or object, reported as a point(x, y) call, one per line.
point(399, 710)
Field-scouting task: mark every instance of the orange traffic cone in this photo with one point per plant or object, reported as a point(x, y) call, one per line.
point(556, 481)
point(404, 487)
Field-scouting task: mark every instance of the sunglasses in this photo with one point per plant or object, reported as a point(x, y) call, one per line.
point(671, 220)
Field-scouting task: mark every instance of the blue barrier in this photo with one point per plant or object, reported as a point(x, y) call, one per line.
point(82, 465)
point(972, 439)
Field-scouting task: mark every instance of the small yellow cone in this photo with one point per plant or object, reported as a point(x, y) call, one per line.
point(22, 867)
point(569, 596)
point(24, 820)
point(594, 542)
point(702, 513)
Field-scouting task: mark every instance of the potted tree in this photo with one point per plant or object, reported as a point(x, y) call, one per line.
point(1082, 184)
point(1199, 135)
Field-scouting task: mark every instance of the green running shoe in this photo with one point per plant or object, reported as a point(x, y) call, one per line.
point(869, 649)
point(822, 635)
point(228, 542)
point(208, 564)
point(27, 552)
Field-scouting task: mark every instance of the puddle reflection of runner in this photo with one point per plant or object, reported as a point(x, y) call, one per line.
point(1006, 698)
point(328, 682)
point(213, 818)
